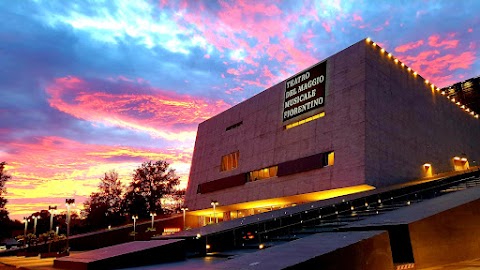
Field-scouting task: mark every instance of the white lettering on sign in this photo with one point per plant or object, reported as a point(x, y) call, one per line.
point(305, 92)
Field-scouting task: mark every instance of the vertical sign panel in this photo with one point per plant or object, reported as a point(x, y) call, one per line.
point(305, 91)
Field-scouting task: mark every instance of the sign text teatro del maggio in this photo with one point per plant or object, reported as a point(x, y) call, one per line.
point(305, 91)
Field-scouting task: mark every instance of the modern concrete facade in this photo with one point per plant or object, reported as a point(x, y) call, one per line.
point(379, 124)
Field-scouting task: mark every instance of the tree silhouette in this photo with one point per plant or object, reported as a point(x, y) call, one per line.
point(4, 219)
point(103, 208)
point(151, 182)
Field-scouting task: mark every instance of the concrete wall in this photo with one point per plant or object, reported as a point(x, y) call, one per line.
point(262, 141)
point(409, 124)
point(448, 237)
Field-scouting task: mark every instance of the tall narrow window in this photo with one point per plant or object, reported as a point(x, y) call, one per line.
point(230, 161)
point(328, 159)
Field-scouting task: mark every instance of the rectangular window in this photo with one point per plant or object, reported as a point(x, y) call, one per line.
point(230, 161)
point(328, 159)
point(234, 126)
point(263, 173)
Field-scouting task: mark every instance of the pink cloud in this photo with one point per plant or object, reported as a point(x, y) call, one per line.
point(235, 25)
point(135, 106)
point(357, 18)
point(435, 41)
point(327, 27)
point(437, 66)
point(409, 46)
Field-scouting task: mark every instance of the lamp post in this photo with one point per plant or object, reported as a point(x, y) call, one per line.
point(25, 220)
point(35, 219)
point(134, 217)
point(153, 215)
point(52, 210)
point(68, 204)
point(214, 204)
point(184, 209)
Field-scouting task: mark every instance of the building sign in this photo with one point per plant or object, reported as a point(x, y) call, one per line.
point(305, 91)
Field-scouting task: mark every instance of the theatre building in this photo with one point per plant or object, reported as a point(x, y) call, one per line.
point(358, 120)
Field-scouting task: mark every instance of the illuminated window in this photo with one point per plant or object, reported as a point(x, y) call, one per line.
point(263, 173)
point(328, 159)
point(230, 161)
point(306, 120)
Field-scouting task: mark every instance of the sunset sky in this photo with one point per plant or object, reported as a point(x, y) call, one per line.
point(91, 86)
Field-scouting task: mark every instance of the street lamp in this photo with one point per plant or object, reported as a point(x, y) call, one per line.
point(214, 204)
point(25, 220)
point(184, 209)
point(52, 210)
point(68, 204)
point(35, 218)
point(153, 215)
point(134, 217)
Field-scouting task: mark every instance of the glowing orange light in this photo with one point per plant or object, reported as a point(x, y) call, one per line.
point(464, 159)
point(438, 89)
point(467, 109)
point(396, 61)
point(453, 99)
point(368, 39)
point(427, 81)
point(414, 73)
point(443, 92)
point(409, 69)
point(472, 113)
point(374, 44)
point(403, 64)
point(427, 165)
point(463, 106)
point(458, 103)
point(476, 116)
point(382, 50)
point(389, 55)
point(456, 158)
point(207, 246)
point(261, 246)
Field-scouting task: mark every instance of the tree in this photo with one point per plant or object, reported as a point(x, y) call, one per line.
point(173, 202)
point(103, 208)
point(4, 219)
point(151, 182)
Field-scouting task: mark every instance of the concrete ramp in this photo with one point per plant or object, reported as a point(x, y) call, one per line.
point(326, 251)
point(435, 232)
point(125, 255)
